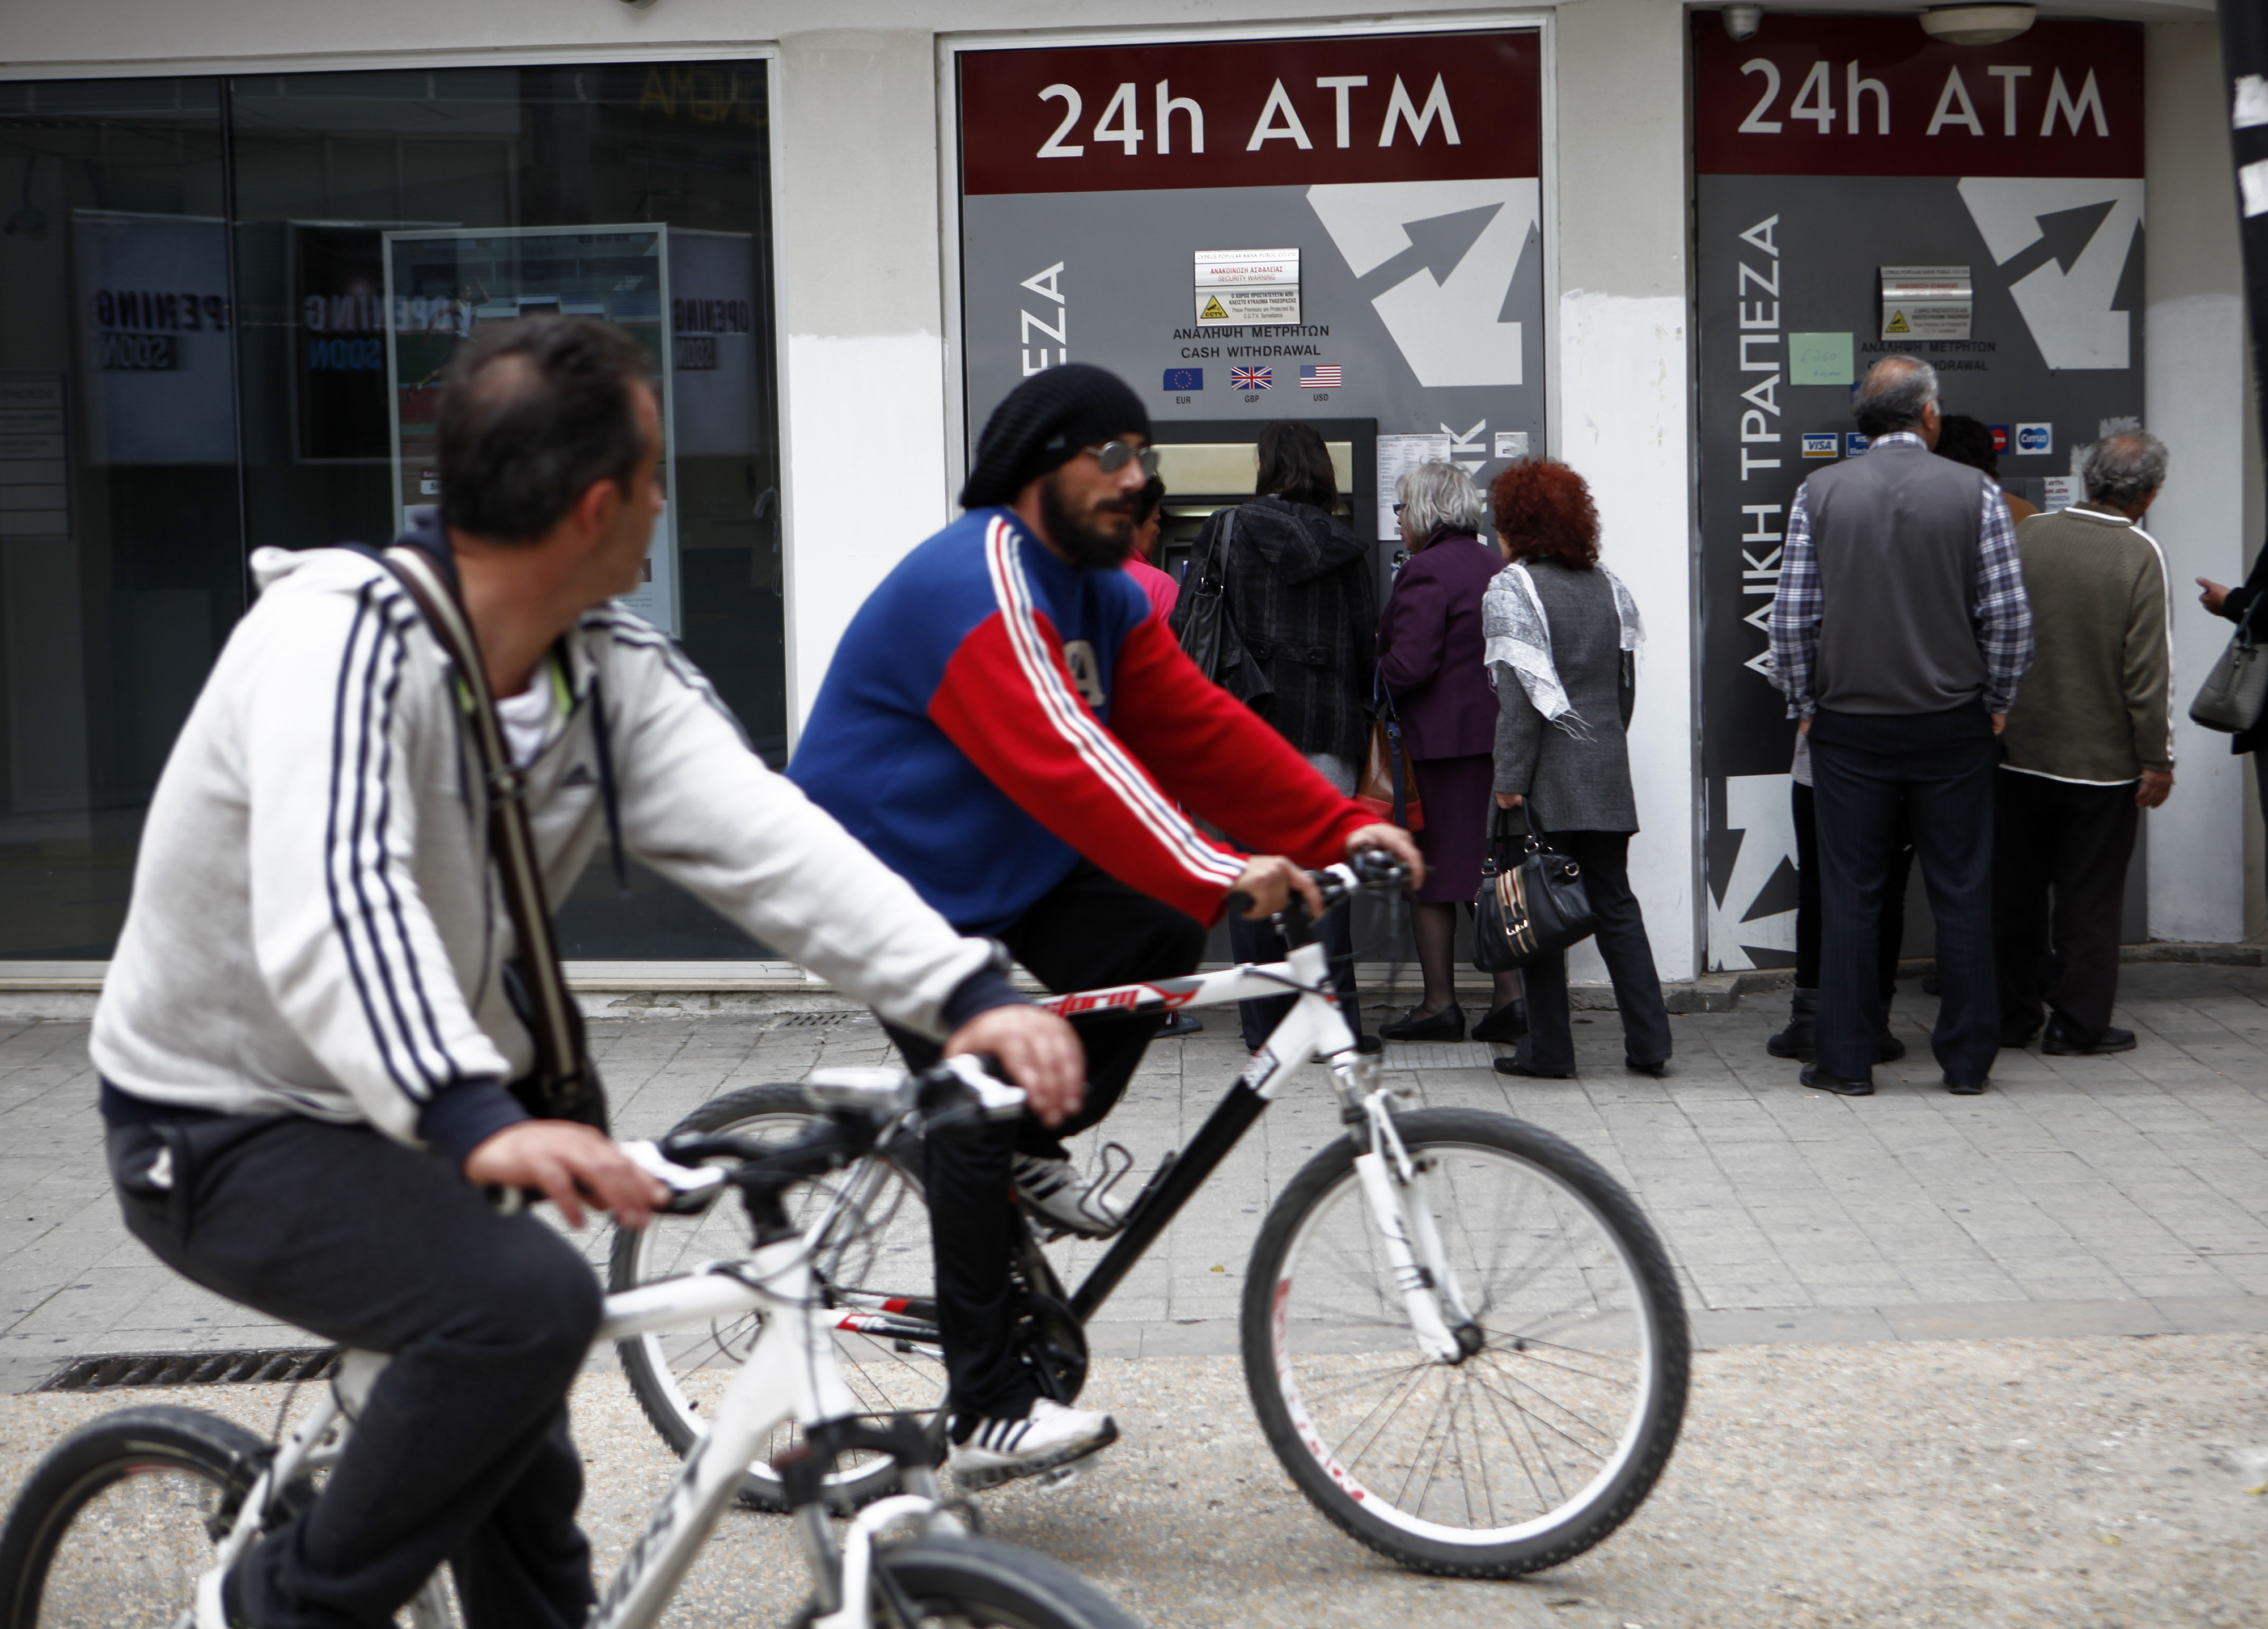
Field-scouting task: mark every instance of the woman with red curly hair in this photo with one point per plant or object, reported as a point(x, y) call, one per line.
point(1562, 635)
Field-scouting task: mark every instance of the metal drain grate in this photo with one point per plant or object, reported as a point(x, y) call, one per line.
point(815, 1020)
point(193, 1369)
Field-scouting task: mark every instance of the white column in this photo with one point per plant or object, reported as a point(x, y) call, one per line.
point(2196, 388)
point(1622, 418)
point(864, 386)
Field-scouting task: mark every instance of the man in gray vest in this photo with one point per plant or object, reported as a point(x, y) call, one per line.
point(2090, 747)
point(1900, 633)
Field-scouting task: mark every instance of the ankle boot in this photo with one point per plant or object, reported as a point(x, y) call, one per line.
point(1795, 1040)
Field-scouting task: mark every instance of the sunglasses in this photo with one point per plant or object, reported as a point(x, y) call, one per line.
point(1112, 456)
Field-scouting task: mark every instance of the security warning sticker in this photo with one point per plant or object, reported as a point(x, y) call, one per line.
point(1927, 302)
point(1238, 286)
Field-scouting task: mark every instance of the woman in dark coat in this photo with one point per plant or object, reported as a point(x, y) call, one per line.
point(1301, 593)
point(1429, 658)
point(1562, 637)
point(2222, 601)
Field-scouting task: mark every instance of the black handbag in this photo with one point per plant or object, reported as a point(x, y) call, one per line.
point(2236, 692)
point(1531, 904)
point(564, 1085)
point(1208, 632)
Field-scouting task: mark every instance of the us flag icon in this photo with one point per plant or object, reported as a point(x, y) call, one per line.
point(1322, 376)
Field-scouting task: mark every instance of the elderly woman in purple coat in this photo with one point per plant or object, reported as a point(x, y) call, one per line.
point(1430, 660)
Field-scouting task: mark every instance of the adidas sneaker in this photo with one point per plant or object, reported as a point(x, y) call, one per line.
point(1056, 1193)
point(1001, 1450)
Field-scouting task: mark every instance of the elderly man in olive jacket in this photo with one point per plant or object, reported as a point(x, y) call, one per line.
point(2090, 746)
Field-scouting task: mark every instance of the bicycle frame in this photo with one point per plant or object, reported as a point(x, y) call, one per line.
point(792, 1373)
point(1313, 1027)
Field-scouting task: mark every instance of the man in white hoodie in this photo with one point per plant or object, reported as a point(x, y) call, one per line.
point(306, 1040)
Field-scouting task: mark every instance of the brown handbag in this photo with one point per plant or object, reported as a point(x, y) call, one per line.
point(1388, 786)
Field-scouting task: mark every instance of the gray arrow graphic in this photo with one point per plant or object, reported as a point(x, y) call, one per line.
point(1436, 245)
point(2064, 237)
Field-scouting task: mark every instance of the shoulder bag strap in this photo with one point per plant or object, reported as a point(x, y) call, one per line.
point(558, 1037)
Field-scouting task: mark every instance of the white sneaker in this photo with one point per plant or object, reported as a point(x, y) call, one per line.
point(1001, 1450)
point(1056, 1193)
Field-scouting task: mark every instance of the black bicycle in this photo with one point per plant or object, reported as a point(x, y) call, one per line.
point(1463, 1338)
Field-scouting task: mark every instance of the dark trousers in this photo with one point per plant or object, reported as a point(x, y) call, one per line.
point(1259, 942)
point(2072, 844)
point(1936, 770)
point(1804, 803)
point(461, 1453)
point(1090, 930)
point(1549, 1043)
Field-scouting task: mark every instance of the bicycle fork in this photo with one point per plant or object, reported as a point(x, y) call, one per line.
point(1395, 1187)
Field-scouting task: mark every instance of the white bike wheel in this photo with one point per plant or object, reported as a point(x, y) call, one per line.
point(1551, 1429)
point(883, 1249)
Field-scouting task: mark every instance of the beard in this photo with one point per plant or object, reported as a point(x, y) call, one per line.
point(1081, 538)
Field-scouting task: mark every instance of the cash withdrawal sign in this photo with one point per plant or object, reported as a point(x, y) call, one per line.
point(1335, 227)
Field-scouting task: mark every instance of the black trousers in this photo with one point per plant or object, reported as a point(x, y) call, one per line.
point(1259, 942)
point(2070, 843)
point(1936, 770)
point(1804, 803)
point(1549, 1043)
point(1089, 930)
point(461, 1453)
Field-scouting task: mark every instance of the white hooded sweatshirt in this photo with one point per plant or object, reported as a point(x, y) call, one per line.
point(315, 927)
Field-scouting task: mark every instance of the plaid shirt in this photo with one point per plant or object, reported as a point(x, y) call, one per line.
point(2003, 616)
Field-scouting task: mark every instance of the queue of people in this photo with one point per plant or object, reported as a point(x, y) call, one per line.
point(1994, 700)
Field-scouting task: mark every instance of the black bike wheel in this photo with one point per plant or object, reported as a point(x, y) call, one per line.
point(1552, 1431)
point(974, 1583)
point(879, 1247)
point(120, 1520)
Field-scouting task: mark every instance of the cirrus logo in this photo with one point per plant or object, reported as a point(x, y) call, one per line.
point(2035, 438)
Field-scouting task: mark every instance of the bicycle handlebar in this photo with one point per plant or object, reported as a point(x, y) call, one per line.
point(1371, 870)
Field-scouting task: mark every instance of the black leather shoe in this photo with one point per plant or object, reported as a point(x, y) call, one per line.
point(1820, 1079)
point(1512, 1065)
point(2017, 1040)
point(1659, 1068)
point(1507, 1022)
point(1448, 1024)
point(2062, 1041)
point(1966, 1089)
point(1180, 1024)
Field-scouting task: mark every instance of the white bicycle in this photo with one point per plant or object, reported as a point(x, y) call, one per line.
point(1463, 1338)
point(134, 1519)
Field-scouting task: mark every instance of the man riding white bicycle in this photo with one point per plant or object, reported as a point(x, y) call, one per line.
point(307, 1036)
point(966, 734)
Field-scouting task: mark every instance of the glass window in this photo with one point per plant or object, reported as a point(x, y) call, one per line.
point(122, 564)
point(211, 391)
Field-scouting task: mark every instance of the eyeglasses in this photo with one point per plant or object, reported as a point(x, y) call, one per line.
point(1111, 456)
point(1397, 509)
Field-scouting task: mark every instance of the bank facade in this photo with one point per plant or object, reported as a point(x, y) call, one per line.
point(237, 243)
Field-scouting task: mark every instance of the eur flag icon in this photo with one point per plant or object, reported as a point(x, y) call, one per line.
point(1184, 379)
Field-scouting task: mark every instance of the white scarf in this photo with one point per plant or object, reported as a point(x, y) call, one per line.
point(1519, 636)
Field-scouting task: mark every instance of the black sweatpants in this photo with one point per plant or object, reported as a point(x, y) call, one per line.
point(1089, 930)
point(2073, 842)
point(1259, 942)
point(1935, 769)
point(1549, 1044)
point(1804, 803)
point(461, 1453)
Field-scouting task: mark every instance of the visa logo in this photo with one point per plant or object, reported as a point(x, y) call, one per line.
point(1819, 443)
point(1853, 444)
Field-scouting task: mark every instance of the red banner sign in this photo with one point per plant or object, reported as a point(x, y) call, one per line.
point(1876, 96)
point(1251, 113)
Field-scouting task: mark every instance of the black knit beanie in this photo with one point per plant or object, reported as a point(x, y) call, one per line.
point(1043, 422)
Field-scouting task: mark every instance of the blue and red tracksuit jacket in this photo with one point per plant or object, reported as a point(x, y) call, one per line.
point(967, 733)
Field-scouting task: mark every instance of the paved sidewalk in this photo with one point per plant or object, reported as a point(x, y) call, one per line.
point(2084, 1196)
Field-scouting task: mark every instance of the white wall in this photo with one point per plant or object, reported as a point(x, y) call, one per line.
point(2197, 392)
point(1624, 408)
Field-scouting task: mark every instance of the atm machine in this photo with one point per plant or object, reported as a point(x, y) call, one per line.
point(1211, 464)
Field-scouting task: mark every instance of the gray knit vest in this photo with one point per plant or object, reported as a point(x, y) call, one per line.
point(1896, 533)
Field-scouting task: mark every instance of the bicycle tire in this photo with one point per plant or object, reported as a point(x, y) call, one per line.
point(1616, 1303)
point(978, 1583)
point(669, 1373)
point(153, 1471)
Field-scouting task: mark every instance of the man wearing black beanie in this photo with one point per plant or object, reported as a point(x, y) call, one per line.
point(966, 734)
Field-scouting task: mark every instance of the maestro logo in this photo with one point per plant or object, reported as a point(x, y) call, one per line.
point(2035, 437)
